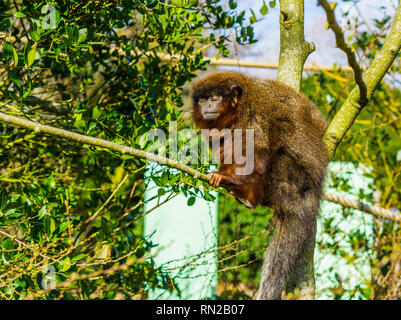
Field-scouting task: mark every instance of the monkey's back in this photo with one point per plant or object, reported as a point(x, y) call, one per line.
point(272, 100)
point(288, 122)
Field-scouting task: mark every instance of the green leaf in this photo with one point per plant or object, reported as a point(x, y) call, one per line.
point(141, 10)
point(208, 196)
point(34, 36)
point(5, 24)
point(91, 126)
point(79, 257)
point(51, 182)
point(8, 51)
point(161, 191)
point(7, 244)
point(70, 33)
point(20, 15)
point(152, 4)
point(232, 4)
point(14, 78)
point(193, 3)
point(140, 253)
point(42, 212)
point(272, 4)
point(119, 25)
point(264, 9)
point(253, 18)
point(80, 124)
point(65, 266)
point(49, 224)
point(191, 201)
point(96, 112)
point(27, 88)
point(30, 57)
point(82, 35)
point(63, 226)
point(15, 56)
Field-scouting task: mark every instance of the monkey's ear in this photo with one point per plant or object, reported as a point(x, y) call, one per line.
point(236, 91)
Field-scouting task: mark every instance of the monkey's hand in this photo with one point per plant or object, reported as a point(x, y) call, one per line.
point(216, 179)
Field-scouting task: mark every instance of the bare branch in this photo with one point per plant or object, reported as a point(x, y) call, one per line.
point(254, 64)
point(37, 127)
point(348, 112)
point(341, 44)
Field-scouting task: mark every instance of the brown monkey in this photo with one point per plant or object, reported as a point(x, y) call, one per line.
point(289, 162)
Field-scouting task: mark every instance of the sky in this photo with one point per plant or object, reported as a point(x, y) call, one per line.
point(268, 33)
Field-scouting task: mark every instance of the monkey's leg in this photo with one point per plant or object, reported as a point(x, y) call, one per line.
point(250, 195)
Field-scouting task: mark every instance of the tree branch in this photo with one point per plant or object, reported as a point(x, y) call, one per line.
point(294, 51)
point(46, 105)
point(341, 44)
point(41, 128)
point(347, 114)
point(293, 48)
point(37, 127)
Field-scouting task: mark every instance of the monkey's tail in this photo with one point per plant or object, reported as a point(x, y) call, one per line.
point(287, 254)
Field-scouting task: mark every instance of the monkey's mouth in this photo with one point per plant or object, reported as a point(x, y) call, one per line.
point(210, 115)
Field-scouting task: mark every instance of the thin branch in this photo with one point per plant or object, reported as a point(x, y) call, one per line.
point(254, 64)
point(53, 107)
point(37, 127)
point(341, 44)
point(14, 238)
point(383, 60)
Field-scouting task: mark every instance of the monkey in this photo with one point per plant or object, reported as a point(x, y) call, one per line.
point(290, 162)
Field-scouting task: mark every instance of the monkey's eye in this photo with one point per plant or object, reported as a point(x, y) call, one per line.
point(215, 98)
point(202, 100)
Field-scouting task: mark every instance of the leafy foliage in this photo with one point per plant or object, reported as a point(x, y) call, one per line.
point(70, 215)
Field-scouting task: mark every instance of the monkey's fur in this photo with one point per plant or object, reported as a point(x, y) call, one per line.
point(290, 162)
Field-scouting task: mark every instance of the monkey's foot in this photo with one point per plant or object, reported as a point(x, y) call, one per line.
point(243, 201)
point(246, 203)
point(215, 179)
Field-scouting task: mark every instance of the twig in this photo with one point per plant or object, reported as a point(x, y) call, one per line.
point(345, 117)
point(341, 44)
point(13, 238)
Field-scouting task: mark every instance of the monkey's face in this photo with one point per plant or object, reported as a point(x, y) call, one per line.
point(214, 105)
point(216, 101)
point(211, 107)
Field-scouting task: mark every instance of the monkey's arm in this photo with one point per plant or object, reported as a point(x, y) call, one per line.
point(228, 175)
